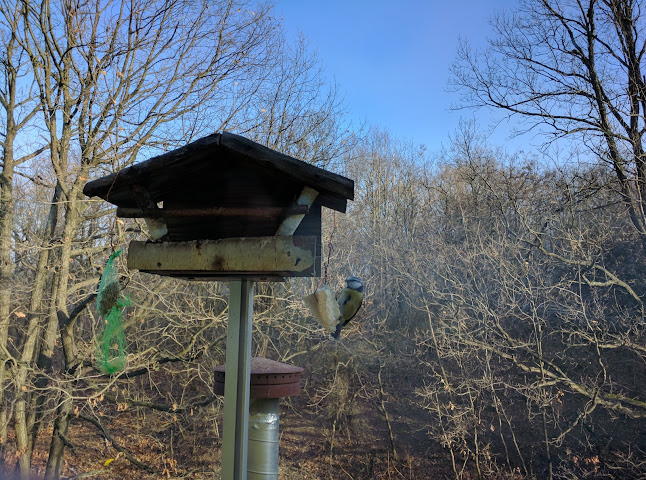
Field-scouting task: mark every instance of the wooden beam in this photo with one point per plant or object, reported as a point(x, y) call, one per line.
point(266, 212)
point(156, 228)
point(283, 256)
point(223, 277)
point(291, 223)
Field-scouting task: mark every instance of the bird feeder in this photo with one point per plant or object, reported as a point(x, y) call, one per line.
point(226, 208)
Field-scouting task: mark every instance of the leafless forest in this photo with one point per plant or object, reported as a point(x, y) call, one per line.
point(503, 331)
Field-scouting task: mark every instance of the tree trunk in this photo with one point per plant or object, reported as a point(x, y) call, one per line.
point(23, 437)
point(59, 439)
point(6, 270)
point(64, 412)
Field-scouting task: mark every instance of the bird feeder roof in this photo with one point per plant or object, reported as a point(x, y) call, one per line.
point(245, 188)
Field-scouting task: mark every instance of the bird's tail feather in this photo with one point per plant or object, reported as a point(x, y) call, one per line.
point(337, 332)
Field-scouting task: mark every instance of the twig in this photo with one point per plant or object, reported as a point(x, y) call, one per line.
point(92, 473)
point(382, 396)
point(118, 447)
point(159, 407)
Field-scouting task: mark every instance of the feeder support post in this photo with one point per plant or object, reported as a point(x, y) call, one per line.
point(236, 397)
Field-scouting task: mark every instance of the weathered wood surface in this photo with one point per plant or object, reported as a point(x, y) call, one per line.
point(291, 223)
point(211, 157)
point(156, 228)
point(258, 256)
point(320, 179)
point(265, 212)
point(164, 167)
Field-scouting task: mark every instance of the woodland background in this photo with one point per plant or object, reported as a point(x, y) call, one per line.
point(503, 331)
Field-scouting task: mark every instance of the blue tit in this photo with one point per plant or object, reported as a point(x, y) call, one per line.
point(349, 303)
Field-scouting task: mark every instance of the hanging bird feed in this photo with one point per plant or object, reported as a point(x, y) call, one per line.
point(110, 305)
point(324, 307)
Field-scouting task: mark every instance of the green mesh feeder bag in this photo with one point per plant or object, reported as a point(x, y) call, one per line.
point(110, 306)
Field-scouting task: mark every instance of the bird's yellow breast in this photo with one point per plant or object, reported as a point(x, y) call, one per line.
point(349, 303)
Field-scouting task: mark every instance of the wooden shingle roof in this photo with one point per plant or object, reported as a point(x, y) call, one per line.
point(219, 186)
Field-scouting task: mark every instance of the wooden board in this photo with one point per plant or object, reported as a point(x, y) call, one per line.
point(270, 257)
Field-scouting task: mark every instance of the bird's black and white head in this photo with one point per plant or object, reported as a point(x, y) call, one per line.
point(354, 283)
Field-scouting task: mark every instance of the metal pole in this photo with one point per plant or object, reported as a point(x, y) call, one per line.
point(264, 422)
point(236, 381)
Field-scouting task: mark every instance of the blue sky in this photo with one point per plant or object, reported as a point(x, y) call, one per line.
point(392, 58)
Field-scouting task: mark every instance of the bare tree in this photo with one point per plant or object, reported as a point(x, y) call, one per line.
point(527, 306)
point(299, 112)
point(19, 106)
point(110, 80)
point(113, 83)
point(573, 69)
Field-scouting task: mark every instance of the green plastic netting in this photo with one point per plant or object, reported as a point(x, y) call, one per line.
point(110, 305)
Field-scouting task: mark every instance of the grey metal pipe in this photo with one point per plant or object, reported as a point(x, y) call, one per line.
point(262, 453)
point(238, 379)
